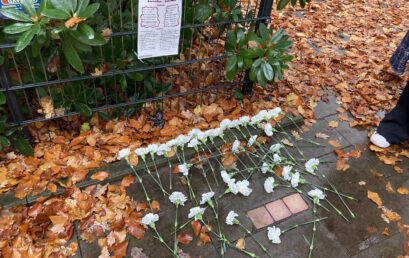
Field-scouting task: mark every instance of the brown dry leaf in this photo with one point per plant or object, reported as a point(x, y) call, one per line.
point(295, 134)
point(389, 187)
point(406, 248)
point(398, 169)
point(333, 124)
point(402, 190)
point(229, 161)
point(321, 135)
point(127, 181)
point(287, 142)
point(343, 118)
point(371, 229)
point(47, 107)
point(52, 187)
point(241, 244)
point(391, 160)
point(184, 239)
point(72, 21)
point(374, 197)
point(404, 229)
point(79, 175)
point(155, 207)
point(205, 238)
point(196, 226)
point(334, 143)
point(98, 72)
point(385, 232)
point(120, 249)
point(142, 206)
point(100, 175)
point(375, 148)
point(391, 215)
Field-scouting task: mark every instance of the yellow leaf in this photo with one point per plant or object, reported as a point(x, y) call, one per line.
point(241, 244)
point(333, 124)
point(321, 135)
point(389, 187)
point(402, 190)
point(374, 197)
point(98, 72)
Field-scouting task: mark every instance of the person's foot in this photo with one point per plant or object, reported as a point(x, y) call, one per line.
point(379, 140)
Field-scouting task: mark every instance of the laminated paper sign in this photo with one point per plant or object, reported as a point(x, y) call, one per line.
point(15, 4)
point(159, 27)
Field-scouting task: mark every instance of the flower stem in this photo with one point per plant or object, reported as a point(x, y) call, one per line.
point(302, 224)
point(314, 228)
point(255, 239)
point(148, 199)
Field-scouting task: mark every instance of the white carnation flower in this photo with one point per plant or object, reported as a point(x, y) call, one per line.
point(263, 114)
point(269, 185)
point(234, 123)
point(312, 164)
point(150, 218)
point(206, 197)
point(243, 187)
point(123, 153)
point(255, 119)
point(275, 147)
point(276, 158)
point(182, 139)
point(235, 147)
point(268, 129)
point(286, 172)
point(274, 113)
point(252, 140)
point(178, 197)
point(264, 168)
point(231, 217)
point(162, 149)
point(194, 142)
point(274, 234)
point(194, 132)
point(183, 169)
point(317, 193)
point(295, 178)
point(152, 148)
point(195, 211)
point(141, 151)
point(244, 119)
point(225, 124)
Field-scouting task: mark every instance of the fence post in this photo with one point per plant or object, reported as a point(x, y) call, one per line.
point(13, 106)
point(264, 10)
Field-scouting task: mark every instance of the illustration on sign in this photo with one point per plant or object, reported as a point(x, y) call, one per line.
point(159, 27)
point(15, 4)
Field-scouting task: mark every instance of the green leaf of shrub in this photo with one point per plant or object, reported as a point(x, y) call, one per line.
point(56, 14)
point(28, 6)
point(282, 3)
point(4, 141)
point(231, 63)
point(2, 98)
point(22, 145)
point(1, 60)
point(82, 5)
point(83, 109)
point(15, 14)
point(202, 12)
point(71, 55)
point(267, 71)
point(61, 5)
point(2, 126)
point(86, 31)
point(17, 28)
point(89, 10)
point(26, 38)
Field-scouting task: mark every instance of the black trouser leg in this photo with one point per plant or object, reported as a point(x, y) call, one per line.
point(395, 126)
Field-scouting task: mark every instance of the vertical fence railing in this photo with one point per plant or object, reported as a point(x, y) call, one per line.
point(193, 77)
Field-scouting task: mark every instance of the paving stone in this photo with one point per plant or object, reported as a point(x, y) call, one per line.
point(260, 217)
point(295, 203)
point(278, 210)
point(391, 247)
point(354, 135)
point(324, 109)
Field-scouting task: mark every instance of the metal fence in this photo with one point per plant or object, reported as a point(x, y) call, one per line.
point(44, 90)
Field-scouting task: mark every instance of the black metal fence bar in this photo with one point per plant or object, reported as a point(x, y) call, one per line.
point(124, 104)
